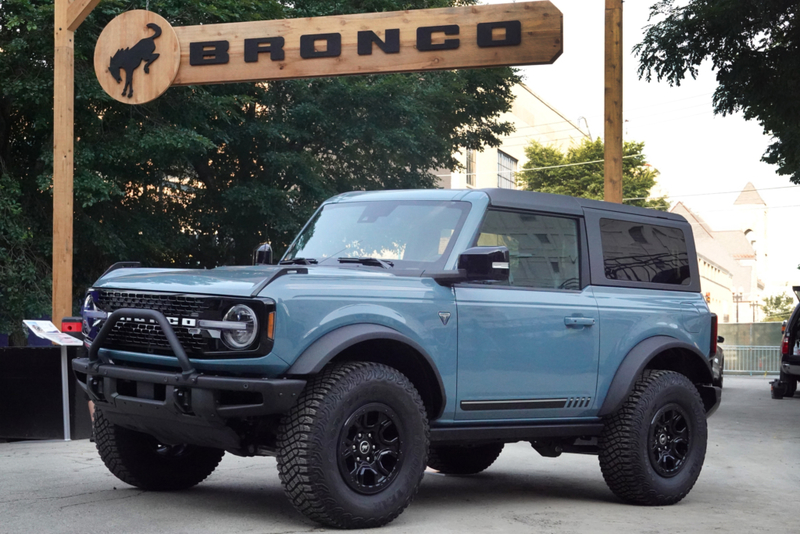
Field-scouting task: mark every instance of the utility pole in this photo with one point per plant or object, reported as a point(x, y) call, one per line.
point(68, 16)
point(613, 102)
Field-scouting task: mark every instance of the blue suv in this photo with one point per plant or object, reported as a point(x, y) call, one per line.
point(405, 329)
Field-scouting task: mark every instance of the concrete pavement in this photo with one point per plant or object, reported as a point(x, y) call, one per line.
point(750, 483)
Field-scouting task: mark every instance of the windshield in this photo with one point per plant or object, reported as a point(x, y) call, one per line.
point(408, 234)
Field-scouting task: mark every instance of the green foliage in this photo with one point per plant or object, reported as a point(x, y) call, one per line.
point(588, 181)
point(778, 308)
point(203, 174)
point(754, 47)
point(24, 277)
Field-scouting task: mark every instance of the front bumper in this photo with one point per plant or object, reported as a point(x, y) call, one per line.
point(183, 406)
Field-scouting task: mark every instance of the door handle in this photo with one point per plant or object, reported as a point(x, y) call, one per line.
point(578, 321)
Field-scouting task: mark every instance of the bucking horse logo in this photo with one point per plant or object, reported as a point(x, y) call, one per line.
point(129, 59)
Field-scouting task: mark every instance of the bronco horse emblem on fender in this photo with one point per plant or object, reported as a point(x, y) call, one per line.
point(129, 59)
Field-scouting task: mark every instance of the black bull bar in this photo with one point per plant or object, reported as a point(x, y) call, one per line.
point(183, 406)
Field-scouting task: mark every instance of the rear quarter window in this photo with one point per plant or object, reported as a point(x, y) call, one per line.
point(640, 252)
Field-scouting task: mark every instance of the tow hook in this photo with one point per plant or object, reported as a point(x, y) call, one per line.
point(183, 399)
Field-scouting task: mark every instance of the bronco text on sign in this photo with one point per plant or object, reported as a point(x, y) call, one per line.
point(524, 33)
point(139, 55)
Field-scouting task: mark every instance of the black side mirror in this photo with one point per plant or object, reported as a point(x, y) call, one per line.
point(263, 255)
point(720, 339)
point(485, 263)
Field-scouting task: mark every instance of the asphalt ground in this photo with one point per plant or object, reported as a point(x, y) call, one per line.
point(750, 483)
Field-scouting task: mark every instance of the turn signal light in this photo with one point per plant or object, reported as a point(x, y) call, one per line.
point(271, 325)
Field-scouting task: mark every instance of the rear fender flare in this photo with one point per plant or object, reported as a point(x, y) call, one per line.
point(637, 360)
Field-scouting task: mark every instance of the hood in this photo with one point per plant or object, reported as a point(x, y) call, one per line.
point(228, 281)
point(244, 281)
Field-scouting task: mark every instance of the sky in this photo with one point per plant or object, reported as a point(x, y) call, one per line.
point(704, 159)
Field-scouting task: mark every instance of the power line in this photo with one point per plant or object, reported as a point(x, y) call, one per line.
point(575, 164)
point(754, 208)
point(539, 168)
point(719, 192)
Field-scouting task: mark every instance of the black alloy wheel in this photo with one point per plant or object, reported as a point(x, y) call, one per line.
point(652, 449)
point(670, 440)
point(352, 451)
point(370, 449)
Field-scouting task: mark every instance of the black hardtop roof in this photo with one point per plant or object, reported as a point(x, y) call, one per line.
point(530, 200)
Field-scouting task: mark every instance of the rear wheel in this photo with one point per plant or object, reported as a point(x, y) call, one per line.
point(791, 384)
point(353, 450)
point(653, 448)
point(141, 460)
point(463, 459)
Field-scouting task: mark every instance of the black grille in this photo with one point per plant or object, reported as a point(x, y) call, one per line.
point(169, 305)
point(142, 334)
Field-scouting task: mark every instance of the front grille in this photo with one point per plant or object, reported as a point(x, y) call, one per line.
point(138, 335)
point(169, 305)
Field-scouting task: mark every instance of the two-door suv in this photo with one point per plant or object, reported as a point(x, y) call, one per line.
point(405, 329)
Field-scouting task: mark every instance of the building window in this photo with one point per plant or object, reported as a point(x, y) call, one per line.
point(506, 171)
point(470, 167)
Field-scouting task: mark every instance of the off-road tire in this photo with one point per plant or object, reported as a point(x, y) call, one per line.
point(140, 460)
point(463, 459)
point(313, 444)
point(632, 435)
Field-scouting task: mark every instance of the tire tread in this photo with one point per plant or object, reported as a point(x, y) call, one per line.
point(299, 465)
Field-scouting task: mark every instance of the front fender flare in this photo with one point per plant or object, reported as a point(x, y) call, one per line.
point(327, 347)
point(636, 361)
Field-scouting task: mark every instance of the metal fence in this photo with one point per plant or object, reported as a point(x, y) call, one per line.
point(740, 359)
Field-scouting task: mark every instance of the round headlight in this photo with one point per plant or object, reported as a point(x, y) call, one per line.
point(240, 339)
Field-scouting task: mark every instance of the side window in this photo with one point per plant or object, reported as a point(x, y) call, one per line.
point(638, 252)
point(543, 249)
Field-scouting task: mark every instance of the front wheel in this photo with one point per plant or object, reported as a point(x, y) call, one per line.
point(653, 448)
point(141, 460)
point(353, 450)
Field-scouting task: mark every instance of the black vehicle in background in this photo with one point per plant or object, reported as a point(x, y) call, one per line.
point(786, 385)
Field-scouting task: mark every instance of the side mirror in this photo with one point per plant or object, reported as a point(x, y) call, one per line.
point(720, 339)
point(485, 263)
point(263, 255)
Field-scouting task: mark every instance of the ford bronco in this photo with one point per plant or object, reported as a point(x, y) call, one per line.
point(405, 329)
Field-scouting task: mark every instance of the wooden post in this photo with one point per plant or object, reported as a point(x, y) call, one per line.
point(613, 102)
point(63, 131)
point(68, 16)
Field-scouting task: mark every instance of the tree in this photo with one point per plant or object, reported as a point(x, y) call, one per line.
point(580, 172)
point(203, 174)
point(754, 47)
point(24, 277)
point(778, 307)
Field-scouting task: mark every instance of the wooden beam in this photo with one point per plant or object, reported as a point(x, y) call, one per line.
point(77, 12)
point(63, 131)
point(613, 102)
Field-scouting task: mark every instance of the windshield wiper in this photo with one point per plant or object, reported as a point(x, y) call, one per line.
point(299, 261)
point(371, 262)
